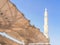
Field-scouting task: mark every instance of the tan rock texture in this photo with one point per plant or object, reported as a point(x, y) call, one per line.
point(14, 23)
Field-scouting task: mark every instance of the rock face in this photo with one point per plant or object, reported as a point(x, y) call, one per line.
point(13, 23)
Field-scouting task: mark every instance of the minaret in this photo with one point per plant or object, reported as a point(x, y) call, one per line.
point(46, 23)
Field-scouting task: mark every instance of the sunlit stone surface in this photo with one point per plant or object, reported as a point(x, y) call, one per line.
point(14, 24)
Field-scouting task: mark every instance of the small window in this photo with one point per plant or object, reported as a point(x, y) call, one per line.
point(1, 13)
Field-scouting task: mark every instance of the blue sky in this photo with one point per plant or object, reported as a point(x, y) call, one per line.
point(34, 11)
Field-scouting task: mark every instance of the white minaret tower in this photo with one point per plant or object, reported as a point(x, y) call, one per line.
point(46, 23)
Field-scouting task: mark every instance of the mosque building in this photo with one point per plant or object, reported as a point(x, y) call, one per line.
point(15, 28)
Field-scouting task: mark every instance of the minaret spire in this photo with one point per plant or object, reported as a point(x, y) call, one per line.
point(46, 23)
